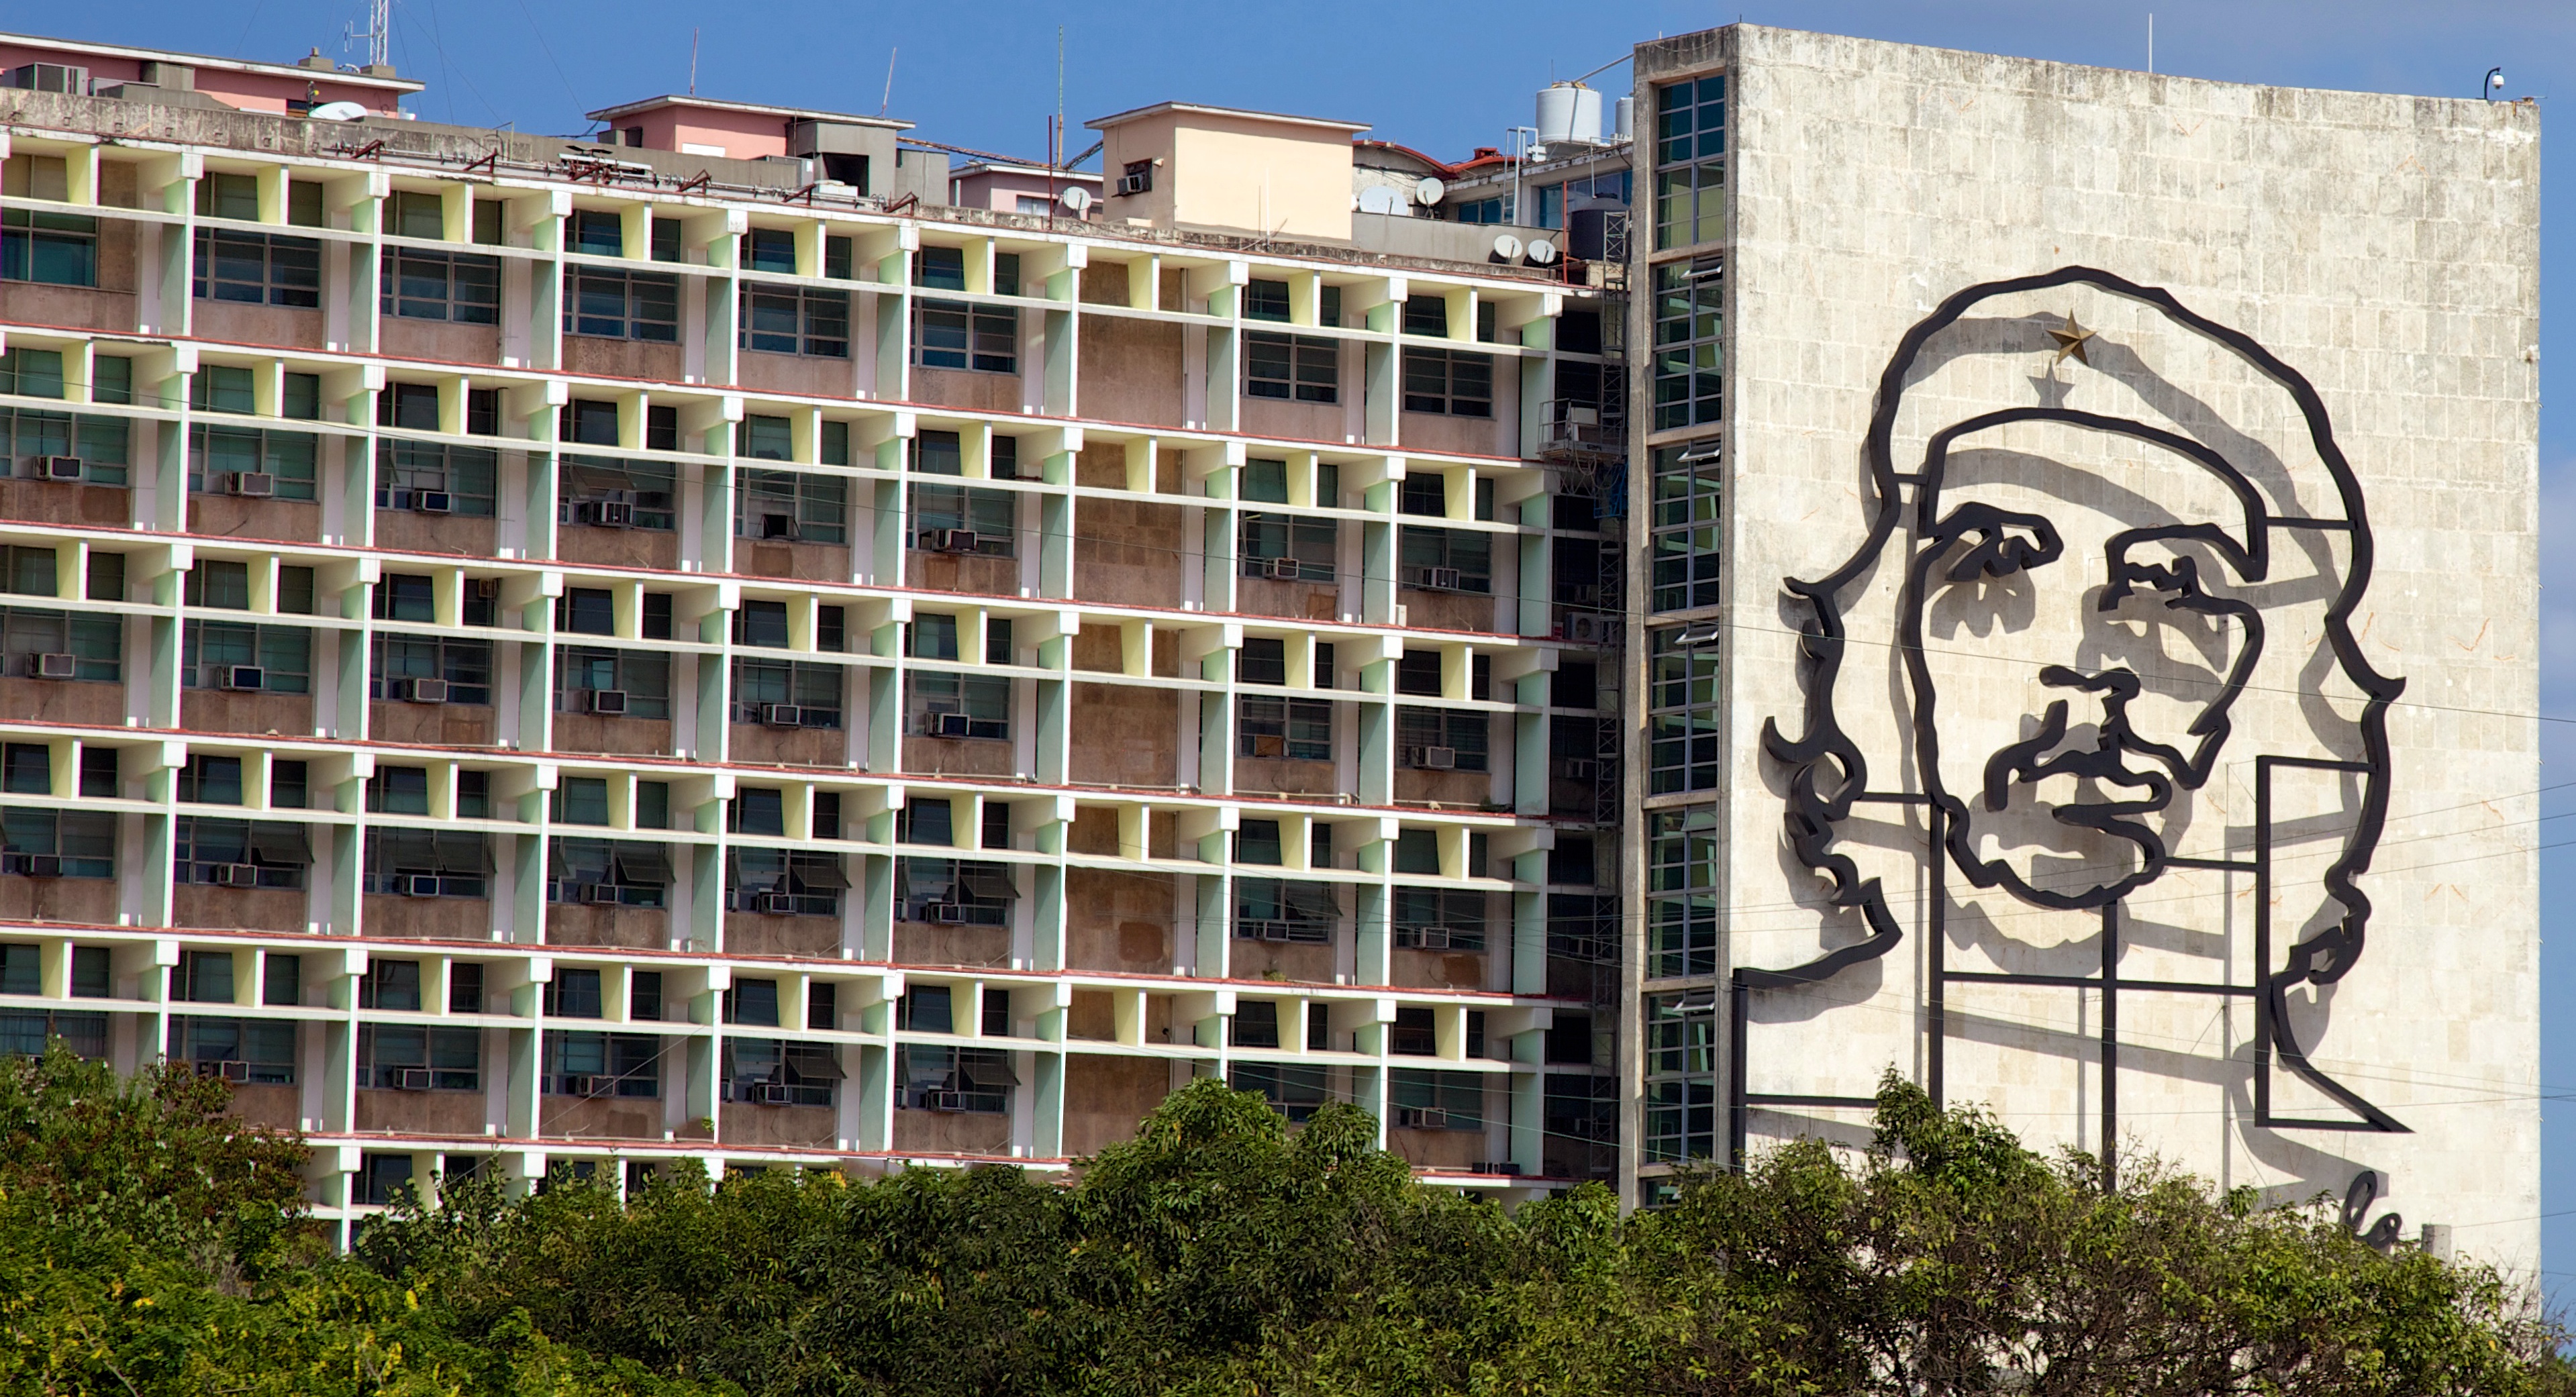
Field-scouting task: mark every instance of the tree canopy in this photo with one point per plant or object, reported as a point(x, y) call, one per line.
point(150, 1244)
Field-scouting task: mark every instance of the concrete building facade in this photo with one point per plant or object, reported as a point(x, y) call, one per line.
point(551, 655)
point(2086, 654)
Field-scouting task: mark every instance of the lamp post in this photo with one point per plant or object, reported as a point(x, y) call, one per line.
point(2494, 84)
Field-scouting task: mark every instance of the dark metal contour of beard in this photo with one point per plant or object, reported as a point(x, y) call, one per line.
point(2027, 763)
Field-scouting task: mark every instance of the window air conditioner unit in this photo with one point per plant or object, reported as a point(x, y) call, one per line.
point(52, 665)
point(599, 894)
point(948, 724)
point(585, 1086)
point(1134, 184)
point(1587, 628)
point(1576, 768)
point(777, 904)
point(607, 703)
point(251, 485)
point(781, 715)
point(608, 514)
point(1431, 938)
point(769, 1094)
point(38, 865)
point(237, 875)
point(943, 1101)
point(232, 1071)
point(943, 913)
point(1436, 758)
point(1269, 744)
point(411, 1079)
point(424, 691)
point(1440, 579)
point(953, 540)
point(1283, 570)
point(778, 527)
point(242, 679)
point(433, 502)
point(1420, 1118)
point(56, 467)
point(1498, 1166)
point(487, 588)
point(417, 884)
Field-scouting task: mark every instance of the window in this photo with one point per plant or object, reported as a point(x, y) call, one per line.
point(602, 1064)
point(983, 701)
point(621, 305)
point(1454, 382)
point(1257, 842)
point(1446, 560)
point(793, 320)
point(644, 995)
point(581, 800)
point(575, 994)
point(599, 232)
point(956, 335)
point(259, 269)
point(464, 988)
point(758, 810)
point(218, 454)
point(100, 442)
point(399, 790)
point(27, 570)
point(281, 979)
point(1687, 547)
point(991, 515)
point(1255, 1024)
point(1417, 673)
point(218, 582)
point(781, 882)
point(1690, 162)
point(1137, 177)
point(212, 654)
point(1427, 315)
point(796, 506)
point(619, 873)
point(642, 676)
point(1439, 919)
point(1495, 210)
point(1305, 368)
point(210, 780)
point(1681, 892)
point(81, 842)
point(770, 250)
point(1682, 726)
point(1681, 1077)
point(96, 643)
point(390, 984)
point(802, 1073)
point(453, 1057)
point(761, 623)
point(419, 862)
point(27, 1032)
point(437, 479)
point(466, 665)
point(648, 491)
point(464, 287)
point(1462, 731)
point(57, 249)
point(813, 689)
point(1295, 729)
point(263, 1048)
point(974, 1080)
point(98, 773)
point(1424, 1100)
point(405, 596)
point(1688, 326)
point(29, 768)
point(33, 373)
point(203, 977)
point(1275, 909)
point(968, 892)
point(1293, 1091)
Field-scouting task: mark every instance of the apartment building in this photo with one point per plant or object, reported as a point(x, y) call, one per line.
point(533, 655)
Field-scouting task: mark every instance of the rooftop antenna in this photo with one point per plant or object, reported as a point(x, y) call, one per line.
point(693, 62)
point(378, 33)
point(889, 92)
point(2151, 41)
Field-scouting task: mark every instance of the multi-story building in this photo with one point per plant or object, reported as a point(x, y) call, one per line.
point(530, 655)
point(731, 638)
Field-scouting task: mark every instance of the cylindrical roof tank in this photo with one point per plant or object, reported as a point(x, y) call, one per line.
point(1569, 111)
point(1624, 119)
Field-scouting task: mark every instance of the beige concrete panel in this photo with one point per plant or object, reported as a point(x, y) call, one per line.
point(1126, 737)
point(606, 358)
point(786, 1127)
point(52, 502)
point(586, 732)
point(957, 756)
point(1131, 369)
point(1128, 553)
point(1119, 922)
point(966, 388)
point(658, 549)
point(286, 521)
point(1107, 1097)
point(230, 322)
point(453, 1113)
point(241, 909)
point(805, 562)
point(636, 928)
point(431, 724)
point(951, 1132)
point(428, 918)
point(439, 341)
point(756, 934)
point(216, 710)
point(89, 705)
point(89, 901)
point(465, 535)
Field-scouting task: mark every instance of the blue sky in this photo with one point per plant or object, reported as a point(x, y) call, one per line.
point(1443, 79)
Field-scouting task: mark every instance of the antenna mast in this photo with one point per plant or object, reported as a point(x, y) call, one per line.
point(379, 34)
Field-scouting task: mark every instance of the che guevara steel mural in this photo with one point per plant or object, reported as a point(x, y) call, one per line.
point(2069, 800)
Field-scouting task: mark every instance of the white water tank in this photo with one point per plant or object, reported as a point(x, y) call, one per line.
point(1569, 111)
point(1623, 120)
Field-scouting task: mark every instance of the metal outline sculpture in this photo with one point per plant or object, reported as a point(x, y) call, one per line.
point(1827, 774)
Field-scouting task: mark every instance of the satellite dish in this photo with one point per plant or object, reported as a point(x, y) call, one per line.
point(338, 111)
point(1428, 189)
point(1541, 251)
point(1377, 198)
point(1077, 199)
point(1507, 247)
